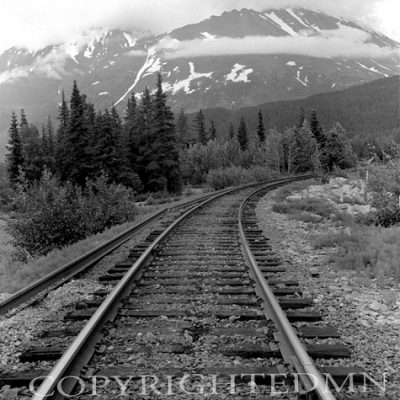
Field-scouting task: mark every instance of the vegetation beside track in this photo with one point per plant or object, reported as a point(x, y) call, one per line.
point(366, 241)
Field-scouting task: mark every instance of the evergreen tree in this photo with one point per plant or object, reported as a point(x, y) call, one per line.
point(212, 133)
point(32, 152)
point(305, 148)
point(23, 120)
point(166, 150)
point(260, 127)
point(48, 146)
point(316, 129)
point(77, 158)
point(231, 133)
point(182, 128)
point(61, 152)
point(242, 134)
point(200, 128)
point(14, 158)
point(337, 151)
point(301, 118)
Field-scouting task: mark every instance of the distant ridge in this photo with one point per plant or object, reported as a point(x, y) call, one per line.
point(369, 109)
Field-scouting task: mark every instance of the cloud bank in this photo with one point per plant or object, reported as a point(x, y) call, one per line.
point(35, 24)
point(342, 42)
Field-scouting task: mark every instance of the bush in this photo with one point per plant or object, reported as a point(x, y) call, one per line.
point(226, 177)
point(52, 216)
point(234, 176)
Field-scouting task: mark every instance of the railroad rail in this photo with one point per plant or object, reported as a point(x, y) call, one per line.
point(38, 289)
point(192, 273)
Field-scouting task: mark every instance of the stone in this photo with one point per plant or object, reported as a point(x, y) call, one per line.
point(375, 306)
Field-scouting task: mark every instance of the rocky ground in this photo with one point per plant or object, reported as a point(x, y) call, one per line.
point(367, 314)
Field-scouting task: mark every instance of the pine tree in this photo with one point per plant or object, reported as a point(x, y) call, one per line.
point(242, 134)
point(316, 129)
point(32, 152)
point(200, 128)
point(77, 158)
point(14, 158)
point(23, 120)
point(304, 149)
point(337, 151)
point(260, 127)
point(182, 128)
point(231, 133)
point(166, 151)
point(61, 151)
point(48, 146)
point(301, 118)
point(212, 133)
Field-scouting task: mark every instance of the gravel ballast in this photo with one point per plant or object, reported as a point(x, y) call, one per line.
point(351, 301)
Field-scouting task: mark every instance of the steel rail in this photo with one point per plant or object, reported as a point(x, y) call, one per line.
point(68, 365)
point(75, 267)
point(310, 376)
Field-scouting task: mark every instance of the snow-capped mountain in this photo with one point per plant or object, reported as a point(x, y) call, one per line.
point(240, 58)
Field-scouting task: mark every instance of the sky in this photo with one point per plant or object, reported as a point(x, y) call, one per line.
point(38, 23)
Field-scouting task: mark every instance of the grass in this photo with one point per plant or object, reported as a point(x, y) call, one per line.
point(365, 248)
point(305, 209)
point(282, 193)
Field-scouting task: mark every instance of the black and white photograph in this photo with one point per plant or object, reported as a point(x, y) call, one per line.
point(200, 200)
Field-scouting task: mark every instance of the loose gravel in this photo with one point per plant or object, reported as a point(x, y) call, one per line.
point(352, 302)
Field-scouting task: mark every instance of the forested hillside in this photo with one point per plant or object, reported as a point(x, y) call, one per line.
point(372, 109)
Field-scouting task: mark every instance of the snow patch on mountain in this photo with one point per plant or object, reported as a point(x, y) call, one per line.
point(282, 24)
point(296, 17)
point(95, 83)
point(152, 63)
point(129, 38)
point(291, 63)
point(185, 84)
point(209, 36)
point(72, 50)
point(372, 69)
point(239, 73)
point(103, 93)
point(304, 83)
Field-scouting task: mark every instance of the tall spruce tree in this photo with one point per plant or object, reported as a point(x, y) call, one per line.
point(305, 148)
point(316, 129)
point(260, 127)
point(242, 134)
point(200, 128)
point(77, 163)
point(32, 152)
point(14, 158)
point(212, 132)
point(231, 132)
point(61, 151)
point(338, 151)
point(301, 118)
point(182, 129)
point(166, 152)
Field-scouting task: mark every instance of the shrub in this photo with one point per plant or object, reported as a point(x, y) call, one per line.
point(384, 188)
point(226, 177)
point(52, 216)
point(374, 249)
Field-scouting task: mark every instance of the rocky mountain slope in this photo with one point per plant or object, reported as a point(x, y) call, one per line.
point(240, 58)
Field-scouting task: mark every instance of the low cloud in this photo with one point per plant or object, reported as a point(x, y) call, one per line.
point(342, 42)
point(50, 66)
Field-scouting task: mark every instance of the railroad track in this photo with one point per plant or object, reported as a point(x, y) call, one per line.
point(192, 305)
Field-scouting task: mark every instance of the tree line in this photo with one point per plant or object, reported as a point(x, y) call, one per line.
point(148, 151)
point(139, 150)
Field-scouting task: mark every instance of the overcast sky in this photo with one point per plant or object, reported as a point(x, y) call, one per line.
point(37, 23)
